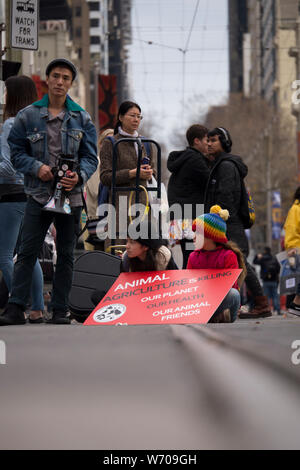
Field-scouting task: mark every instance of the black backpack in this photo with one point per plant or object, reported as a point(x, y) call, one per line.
point(271, 270)
point(247, 211)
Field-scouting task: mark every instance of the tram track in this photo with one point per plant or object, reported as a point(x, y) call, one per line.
point(251, 391)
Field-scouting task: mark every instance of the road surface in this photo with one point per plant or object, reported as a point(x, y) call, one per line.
point(230, 386)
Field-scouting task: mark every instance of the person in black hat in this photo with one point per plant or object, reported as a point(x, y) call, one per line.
point(62, 63)
point(146, 250)
point(40, 135)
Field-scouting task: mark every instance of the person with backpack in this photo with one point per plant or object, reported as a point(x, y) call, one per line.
point(269, 273)
point(129, 120)
point(225, 187)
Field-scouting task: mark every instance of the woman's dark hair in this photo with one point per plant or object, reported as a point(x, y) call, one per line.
point(224, 137)
point(20, 92)
point(297, 194)
point(124, 107)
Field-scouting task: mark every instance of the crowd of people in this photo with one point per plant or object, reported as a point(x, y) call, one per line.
point(37, 135)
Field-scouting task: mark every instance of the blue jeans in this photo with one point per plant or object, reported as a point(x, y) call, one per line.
point(11, 216)
point(35, 226)
point(231, 301)
point(270, 290)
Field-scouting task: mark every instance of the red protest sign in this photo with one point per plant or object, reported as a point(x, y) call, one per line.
point(161, 297)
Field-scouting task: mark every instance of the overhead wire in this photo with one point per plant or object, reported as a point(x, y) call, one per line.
point(185, 50)
point(143, 57)
point(158, 86)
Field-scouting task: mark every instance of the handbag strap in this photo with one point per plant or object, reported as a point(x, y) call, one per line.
point(87, 215)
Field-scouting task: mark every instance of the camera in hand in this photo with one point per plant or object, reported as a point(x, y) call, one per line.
point(59, 202)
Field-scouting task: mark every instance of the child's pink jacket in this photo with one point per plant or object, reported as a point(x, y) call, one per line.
point(220, 258)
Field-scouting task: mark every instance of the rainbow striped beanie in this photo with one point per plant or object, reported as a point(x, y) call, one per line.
point(213, 224)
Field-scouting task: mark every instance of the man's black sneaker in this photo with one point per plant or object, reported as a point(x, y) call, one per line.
point(13, 315)
point(294, 308)
point(60, 318)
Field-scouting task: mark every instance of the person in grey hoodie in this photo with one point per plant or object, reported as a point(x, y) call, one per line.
point(189, 175)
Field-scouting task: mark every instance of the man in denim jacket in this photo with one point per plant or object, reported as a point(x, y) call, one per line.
point(41, 132)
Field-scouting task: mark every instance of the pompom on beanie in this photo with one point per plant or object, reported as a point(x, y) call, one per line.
point(213, 224)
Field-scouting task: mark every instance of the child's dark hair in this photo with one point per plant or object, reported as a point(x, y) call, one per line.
point(233, 247)
point(149, 264)
point(196, 131)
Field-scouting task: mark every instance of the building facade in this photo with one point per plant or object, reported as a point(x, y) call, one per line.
point(237, 17)
point(119, 17)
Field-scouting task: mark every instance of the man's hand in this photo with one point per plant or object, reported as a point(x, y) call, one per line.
point(45, 173)
point(70, 180)
point(292, 252)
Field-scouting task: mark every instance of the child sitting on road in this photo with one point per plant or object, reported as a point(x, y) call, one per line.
point(214, 251)
point(148, 252)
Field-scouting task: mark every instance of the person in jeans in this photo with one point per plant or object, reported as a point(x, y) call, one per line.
point(269, 273)
point(215, 251)
point(292, 244)
point(41, 132)
point(224, 188)
point(20, 92)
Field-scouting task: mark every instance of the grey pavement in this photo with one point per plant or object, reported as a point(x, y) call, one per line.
point(151, 387)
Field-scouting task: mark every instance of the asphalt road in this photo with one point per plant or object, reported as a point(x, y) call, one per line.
point(151, 387)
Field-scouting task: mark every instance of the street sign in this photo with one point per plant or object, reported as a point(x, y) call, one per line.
point(24, 24)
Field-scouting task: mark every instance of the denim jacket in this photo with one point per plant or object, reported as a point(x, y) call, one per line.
point(8, 175)
point(29, 149)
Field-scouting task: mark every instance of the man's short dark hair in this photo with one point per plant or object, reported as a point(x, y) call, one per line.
point(224, 138)
point(196, 131)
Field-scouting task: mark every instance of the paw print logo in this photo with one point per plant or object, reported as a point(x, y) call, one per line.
point(109, 313)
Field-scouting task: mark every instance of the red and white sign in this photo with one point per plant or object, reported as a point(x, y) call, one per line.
point(163, 297)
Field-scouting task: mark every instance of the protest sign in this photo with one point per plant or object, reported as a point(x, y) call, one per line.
point(163, 297)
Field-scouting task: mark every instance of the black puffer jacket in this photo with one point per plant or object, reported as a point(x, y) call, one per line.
point(190, 172)
point(224, 188)
point(269, 267)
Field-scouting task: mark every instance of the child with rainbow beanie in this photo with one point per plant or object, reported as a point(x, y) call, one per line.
point(214, 251)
